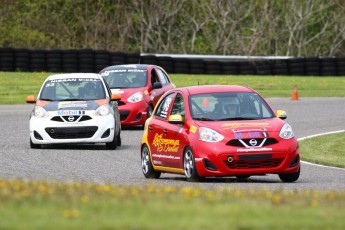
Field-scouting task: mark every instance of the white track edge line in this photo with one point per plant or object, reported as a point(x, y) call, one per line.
point(317, 135)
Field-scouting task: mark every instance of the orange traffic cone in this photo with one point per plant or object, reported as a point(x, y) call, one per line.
point(294, 93)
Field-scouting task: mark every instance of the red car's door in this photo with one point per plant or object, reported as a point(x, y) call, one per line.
point(166, 139)
point(155, 131)
point(155, 93)
point(158, 75)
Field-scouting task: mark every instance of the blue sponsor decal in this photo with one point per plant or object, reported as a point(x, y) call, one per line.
point(70, 112)
point(250, 135)
point(253, 134)
point(238, 135)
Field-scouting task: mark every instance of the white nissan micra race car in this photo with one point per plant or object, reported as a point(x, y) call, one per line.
point(75, 108)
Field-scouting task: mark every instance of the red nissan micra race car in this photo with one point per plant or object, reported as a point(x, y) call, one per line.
point(214, 131)
point(140, 87)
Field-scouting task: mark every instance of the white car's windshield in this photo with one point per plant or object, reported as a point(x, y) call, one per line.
point(125, 78)
point(229, 106)
point(72, 89)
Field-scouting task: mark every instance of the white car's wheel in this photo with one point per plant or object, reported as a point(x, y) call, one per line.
point(34, 146)
point(113, 144)
point(119, 141)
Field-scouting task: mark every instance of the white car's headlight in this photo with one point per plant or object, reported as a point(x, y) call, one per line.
point(138, 96)
point(286, 132)
point(40, 112)
point(103, 110)
point(209, 135)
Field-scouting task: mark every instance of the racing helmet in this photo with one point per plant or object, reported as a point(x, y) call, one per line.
point(230, 106)
point(90, 89)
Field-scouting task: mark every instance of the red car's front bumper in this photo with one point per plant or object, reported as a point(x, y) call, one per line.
point(133, 114)
point(218, 160)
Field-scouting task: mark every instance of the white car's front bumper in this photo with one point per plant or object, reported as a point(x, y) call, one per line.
point(47, 131)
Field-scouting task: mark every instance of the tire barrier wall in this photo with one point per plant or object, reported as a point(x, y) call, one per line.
point(87, 60)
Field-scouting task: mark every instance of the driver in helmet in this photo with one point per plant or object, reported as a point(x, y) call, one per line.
point(231, 106)
point(90, 90)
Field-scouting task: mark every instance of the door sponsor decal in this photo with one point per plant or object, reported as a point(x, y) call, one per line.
point(164, 144)
point(165, 157)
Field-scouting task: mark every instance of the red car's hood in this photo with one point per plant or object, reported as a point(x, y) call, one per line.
point(127, 92)
point(226, 127)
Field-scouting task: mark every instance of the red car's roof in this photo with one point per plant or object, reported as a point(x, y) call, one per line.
point(128, 66)
point(216, 89)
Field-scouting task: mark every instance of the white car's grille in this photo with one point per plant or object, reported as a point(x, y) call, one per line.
point(71, 118)
point(71, 132)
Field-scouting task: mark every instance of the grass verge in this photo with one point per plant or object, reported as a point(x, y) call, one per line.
point(15, 86)
point(325, 150)
point(42, 205)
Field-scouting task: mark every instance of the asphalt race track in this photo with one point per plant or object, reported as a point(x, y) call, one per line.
point(94, 163)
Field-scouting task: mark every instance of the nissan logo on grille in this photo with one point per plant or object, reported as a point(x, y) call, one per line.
point(253, 142)
point(70, 118)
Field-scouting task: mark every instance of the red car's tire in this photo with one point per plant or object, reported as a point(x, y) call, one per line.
point(290, 177)
point(190, 167)
point(242, 177)
point(146, 164)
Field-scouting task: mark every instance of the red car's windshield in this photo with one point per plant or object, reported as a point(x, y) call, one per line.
point(229, 106)
point(125, 78)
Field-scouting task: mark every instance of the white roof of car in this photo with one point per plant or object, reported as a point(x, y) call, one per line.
point(73, 75)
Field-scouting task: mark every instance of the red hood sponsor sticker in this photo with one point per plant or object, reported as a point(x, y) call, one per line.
point(245, 124)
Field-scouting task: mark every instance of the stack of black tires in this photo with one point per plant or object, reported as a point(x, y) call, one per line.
point(88, 60)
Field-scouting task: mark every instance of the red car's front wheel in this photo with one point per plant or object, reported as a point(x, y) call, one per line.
point(290, 177)
point(189, 166)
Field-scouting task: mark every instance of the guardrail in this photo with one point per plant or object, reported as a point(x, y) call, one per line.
point(87, 60)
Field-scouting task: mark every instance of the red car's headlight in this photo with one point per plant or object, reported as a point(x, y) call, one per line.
point(209, 135)
point(286, 132)
point(138, 96)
